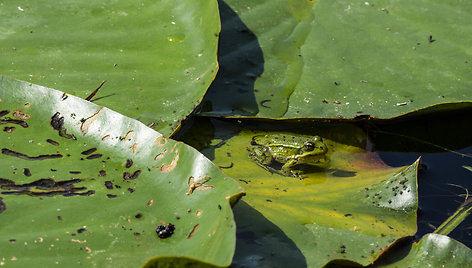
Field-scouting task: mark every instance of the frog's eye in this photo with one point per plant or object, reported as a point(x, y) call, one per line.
point(309, 146)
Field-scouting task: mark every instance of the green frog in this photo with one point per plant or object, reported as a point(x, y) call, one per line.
point(289, 150)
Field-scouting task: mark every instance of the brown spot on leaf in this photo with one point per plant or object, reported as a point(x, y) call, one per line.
point(105, 137)
point(87, 122)
point(198, 213)
point(173, 147)
point(109, 185)
point(27, 172)
point(150, 202)
point(45, 187)
point(52, 142)
point(20, 115)
point(134, 147)
point(161, 141)
point(194, 229)
point(166, 168)
point(129, 176)
point(198, 185)
point(159, 156)
point(128, 135)
point(129, 163)
point(9, 152)
point(94, 156)
point(9, 129)
point(89, 151)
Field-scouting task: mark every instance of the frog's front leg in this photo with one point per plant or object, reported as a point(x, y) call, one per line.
point(288, 171)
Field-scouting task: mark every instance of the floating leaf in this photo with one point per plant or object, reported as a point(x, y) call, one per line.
point(83, 185)
point(340, 59)
point(157, 57)
point(433, 250)
point(354, 208)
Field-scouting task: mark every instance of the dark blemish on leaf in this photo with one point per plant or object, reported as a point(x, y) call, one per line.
point(112, 195)
point(64, 97)
point(138, 216)
point(3, 206)
point(262, 103)
point(136, 233)
point(337, 102)
point(129, 176)
point(89, 151)
point(244, 181)
point(102, 173)
point(109, 185)
point(13, 121)
point(45, 187)
point(57, 123)
point(131, 190)
point(268, 200)
point(390, 227)
point(325, 101)
point(9, 129)
point(94, 156)
point(347, 215)
point(4, 112)
point(52, 142)
point(81, 230)
point(129, 163)
point(117, 186)
point(219, 207)
point(53, 169)
point(12, 240)
point(59, 218)
point(165, 231)
point(75, 172)
point(230, 166)
point(9, 152)
point(430, 39)
point(27, 172)
point(337, 83)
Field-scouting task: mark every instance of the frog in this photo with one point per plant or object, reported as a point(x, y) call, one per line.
point(289, 151)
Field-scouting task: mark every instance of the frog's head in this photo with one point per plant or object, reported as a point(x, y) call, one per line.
point(314, 147)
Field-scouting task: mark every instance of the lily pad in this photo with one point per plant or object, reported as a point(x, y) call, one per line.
point(162, 53)
point(355, 208)
point(83, 185)
point(341, 59)
point(433, 250)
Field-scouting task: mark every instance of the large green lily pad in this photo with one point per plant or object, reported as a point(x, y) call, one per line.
point(158, 57)
point(83, 185)
point(355, 208)
point(341, 59)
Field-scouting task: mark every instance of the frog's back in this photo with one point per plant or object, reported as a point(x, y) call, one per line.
point(280, 140)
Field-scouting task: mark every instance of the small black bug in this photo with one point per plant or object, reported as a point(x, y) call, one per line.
point(164, 231)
